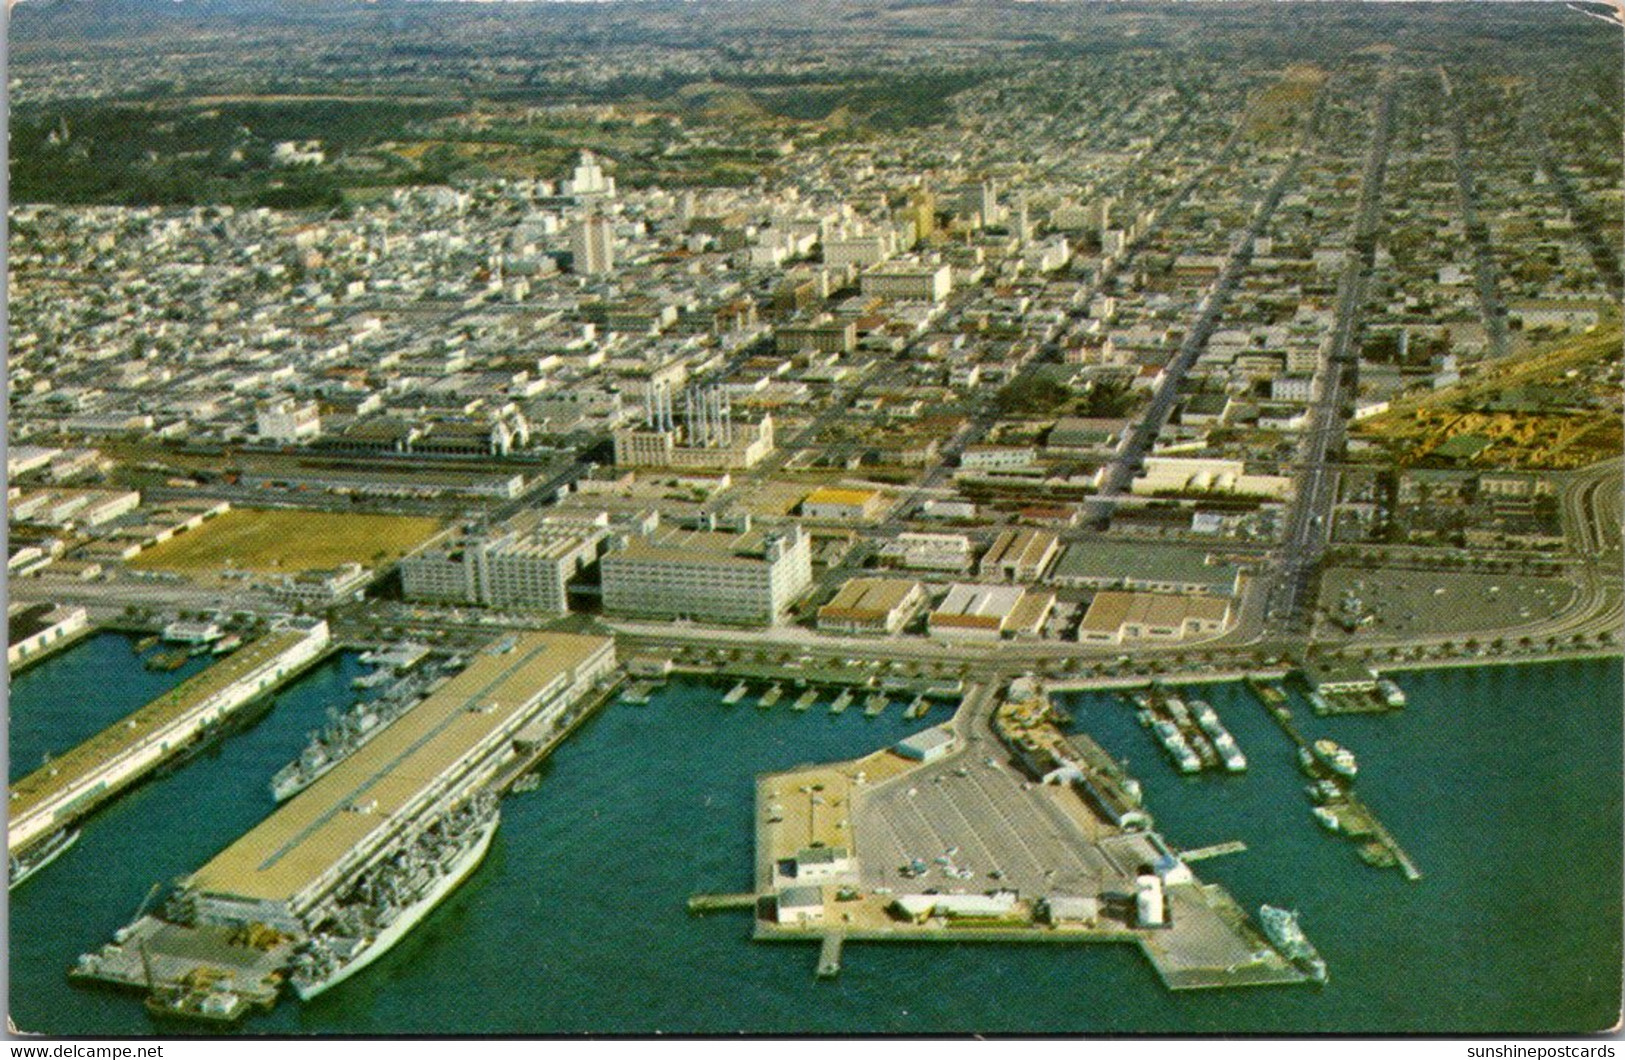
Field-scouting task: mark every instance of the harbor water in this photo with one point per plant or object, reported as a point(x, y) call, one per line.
point(1504, 783)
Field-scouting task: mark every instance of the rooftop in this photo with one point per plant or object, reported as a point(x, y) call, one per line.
point(292, 849)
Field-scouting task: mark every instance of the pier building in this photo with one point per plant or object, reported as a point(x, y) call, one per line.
point(72, 785)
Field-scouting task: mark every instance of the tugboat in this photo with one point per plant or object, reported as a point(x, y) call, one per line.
point(1281, 928)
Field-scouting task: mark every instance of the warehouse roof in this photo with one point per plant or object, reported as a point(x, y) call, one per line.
point(313, 832)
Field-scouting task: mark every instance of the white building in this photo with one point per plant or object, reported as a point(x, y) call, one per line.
point(592, 246)
point(707, 576)
point(531, 571)
point(288, 422)
point(588, 181)
point(907, 281)
point(945, 552)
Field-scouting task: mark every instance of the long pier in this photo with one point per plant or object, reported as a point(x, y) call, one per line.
point(1356, 808)
point(305, 869)
point(68, 788)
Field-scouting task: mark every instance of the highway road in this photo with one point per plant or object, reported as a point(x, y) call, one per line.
point(1308, 521)
point(1120, 471)
point(1486, 276)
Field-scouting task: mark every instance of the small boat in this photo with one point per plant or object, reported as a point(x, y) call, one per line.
point(372, 680)
point(1391, 693)
point(1328, 819)
point(1324, 791)
point(146, 644)
point(805, 700)
point(874, 705)
point(638, 694)
point(770, 697)
point(842, 701)
point(917, 708)
point(228, 644)
point(529, 782)
point(207, 1004)
point(166, 661)
point(1318, 701)
point(1338, 759)
point(736, 693)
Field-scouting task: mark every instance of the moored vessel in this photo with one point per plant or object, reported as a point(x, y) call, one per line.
point(392, 899)
point(25, 865)
point(1282, 929)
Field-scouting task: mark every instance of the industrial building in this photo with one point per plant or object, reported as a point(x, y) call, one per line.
point(1020, 555)
point(707, 437)
point(1153, 568)
point(1116, 617)
point(530, 570)
point(842, 505)
point(749, 578)
point(944, 552)
point(872, 605)
point(989, 612)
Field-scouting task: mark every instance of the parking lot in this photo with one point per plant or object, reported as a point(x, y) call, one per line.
point(977, 827)
point(1435, 602)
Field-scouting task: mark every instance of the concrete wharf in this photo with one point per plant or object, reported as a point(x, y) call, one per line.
point(255, 903)
point(71, 786)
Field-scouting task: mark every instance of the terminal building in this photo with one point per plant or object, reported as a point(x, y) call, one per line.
point(748, 579)
point(530, 570)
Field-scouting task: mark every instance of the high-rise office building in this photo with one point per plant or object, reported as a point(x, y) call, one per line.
point(592, 243)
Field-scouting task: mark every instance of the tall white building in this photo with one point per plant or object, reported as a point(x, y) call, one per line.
point(588, 180)
point(592, 242)
point(748, 579)
point(531, 571)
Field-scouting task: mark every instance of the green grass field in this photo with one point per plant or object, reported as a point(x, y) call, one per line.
point(289, 541)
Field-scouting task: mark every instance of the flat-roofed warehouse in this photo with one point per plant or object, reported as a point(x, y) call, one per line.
point(842, 505)
point(872, 605)
point(437, 754)
point(988, 612)
point(1114, 617)
point(1154, 568)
